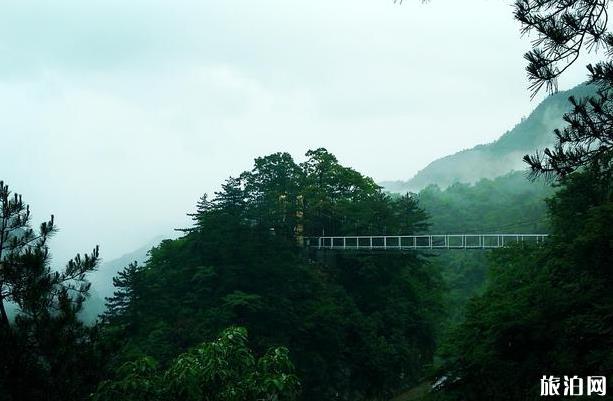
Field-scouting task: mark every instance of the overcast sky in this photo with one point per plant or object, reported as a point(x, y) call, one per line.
point(117, 115)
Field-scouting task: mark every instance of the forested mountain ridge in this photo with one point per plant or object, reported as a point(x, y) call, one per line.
point(357, 326)
point(350, 326)
point(501, 156)
point(240, 309)
point(506, 204)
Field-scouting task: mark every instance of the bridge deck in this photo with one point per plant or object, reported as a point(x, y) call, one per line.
point(442, 241)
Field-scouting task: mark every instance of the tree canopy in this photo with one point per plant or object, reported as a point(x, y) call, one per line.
point(548, 310)
point(563, 29)
point(46, 351)
point(224, 369)
point(357, 326)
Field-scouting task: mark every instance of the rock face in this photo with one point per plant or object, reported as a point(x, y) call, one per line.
point(501, 156)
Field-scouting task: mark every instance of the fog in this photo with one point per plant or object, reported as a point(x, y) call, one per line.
point(117, 116)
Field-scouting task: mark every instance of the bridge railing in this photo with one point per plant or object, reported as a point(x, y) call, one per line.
point(440, 241)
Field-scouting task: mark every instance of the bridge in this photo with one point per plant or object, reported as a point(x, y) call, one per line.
point(405, 242)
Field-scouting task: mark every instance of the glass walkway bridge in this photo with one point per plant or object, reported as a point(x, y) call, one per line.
point(441, 241)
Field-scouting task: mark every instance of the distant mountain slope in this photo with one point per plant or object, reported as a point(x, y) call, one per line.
point(501, 156)
point(102, 278)
point(507, 204)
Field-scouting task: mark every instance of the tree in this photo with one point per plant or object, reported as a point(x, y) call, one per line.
point(271, 190)
point(221, 370)
point(203, 206)
point(44, 346)
point(26, 278)
point(126, 284)
point(359, 327)
point(550, 308)
point(545, 310)
point(587, 139)
point(563, 29)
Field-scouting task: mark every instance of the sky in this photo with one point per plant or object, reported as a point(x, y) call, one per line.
point(117, 115)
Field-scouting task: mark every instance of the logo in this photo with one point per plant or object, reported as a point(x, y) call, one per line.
point(573, 386)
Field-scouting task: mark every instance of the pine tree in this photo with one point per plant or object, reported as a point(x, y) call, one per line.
point(43, 348)
point(118, 305)
point(231, 198)
point(203, 206)
point(26, 278)
point(586, 140)
point(563, 29)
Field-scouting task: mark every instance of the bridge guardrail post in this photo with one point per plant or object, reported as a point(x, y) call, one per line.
point(329, 242)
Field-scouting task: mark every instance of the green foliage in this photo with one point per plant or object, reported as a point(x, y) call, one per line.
point(547, 310)
point(221, 370)
point(125, 283)
point(358, 326)
point(45, 351)
point(137, 380)
point(507, 204)
point(563, 29)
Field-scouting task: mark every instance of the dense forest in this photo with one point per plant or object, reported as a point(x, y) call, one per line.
point(506, 204)
point(543, 309)
point(239, 308)
point(357, 326)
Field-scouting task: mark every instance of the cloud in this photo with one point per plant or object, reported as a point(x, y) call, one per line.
point(116, 115)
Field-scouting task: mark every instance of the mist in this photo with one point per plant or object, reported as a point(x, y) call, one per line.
point(118, 116)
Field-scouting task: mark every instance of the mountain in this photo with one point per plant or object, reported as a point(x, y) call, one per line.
point(501, 156)
point(102, 278)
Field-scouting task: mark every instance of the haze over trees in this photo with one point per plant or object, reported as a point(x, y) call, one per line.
point(546, 309)
point(238, 308)
point(356, 326)
point(549, 310)
point(501, 156)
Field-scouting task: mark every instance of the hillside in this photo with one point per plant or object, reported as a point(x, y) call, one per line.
point(499, 157)
point(507, 204)
point(358, 328)
point(102, 278)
